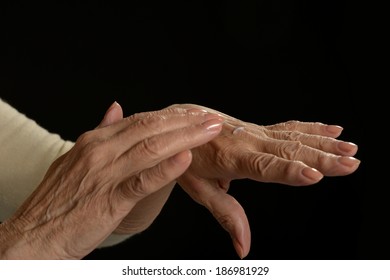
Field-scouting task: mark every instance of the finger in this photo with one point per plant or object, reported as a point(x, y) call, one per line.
point(128, 157)
point(135, 118)
point(269, 168)
point(323, 157)
point(150, 151)
point(145, 132)
point(327, 163)
point(113, 114)
point(158, 166)
point(231, 216)
point(151, 180)
point(225, 208)
point(324, 143)
point(308, 127)
point(143, 125)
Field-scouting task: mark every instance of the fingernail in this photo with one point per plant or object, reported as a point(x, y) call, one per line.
point(113, 105)
point(106, 119)
point(347, 147)
point(348, 161)
point(312, 173)
point(334, 129)
point(239, 249)
point(194, 110)
point(213, 124)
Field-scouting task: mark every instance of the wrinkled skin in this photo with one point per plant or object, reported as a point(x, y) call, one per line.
point(130, 197)
point(292, 153)
point(87, 192)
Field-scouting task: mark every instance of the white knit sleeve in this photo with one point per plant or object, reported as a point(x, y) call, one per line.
point(26, 152)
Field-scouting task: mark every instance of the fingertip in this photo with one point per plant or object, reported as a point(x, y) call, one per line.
point(334, 130)
point(113, 114)
point(241, 237)
point(312, 174)
point(114, 106)
point(347, 148)
point(241, 250)
point(350, 162)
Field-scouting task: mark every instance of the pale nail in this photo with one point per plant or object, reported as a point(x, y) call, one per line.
point(312, 173)
point(213, 124)
point(334, 129)
point(195, 110)
point(348, 161)
point(347, 147)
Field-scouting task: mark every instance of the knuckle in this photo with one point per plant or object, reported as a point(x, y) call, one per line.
point(291, 125)
point(324, 160)
point(290, 150)
point(265, 164)
point(91, 151)
point(91, 155)
point(322, 143)
point(151, 147)
point(135, 187)
point(153, 122)
point(293, 135)
point(271, 167)
point(85, 138)
point(225, 221)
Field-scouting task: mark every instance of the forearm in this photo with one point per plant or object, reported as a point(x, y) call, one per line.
point(17, 244)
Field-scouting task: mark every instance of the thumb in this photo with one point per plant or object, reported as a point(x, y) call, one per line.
point(113, 114)
point(224, 207)
point(231, 216)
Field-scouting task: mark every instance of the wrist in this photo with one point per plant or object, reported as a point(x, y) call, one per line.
point(8, 241)
point(17, 243)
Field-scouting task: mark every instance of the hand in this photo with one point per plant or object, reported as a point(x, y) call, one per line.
point(292, 153)
point(88, 191)
point(246, 150)
point(148, 208)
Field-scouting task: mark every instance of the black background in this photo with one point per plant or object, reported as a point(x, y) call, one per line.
point(63, 63)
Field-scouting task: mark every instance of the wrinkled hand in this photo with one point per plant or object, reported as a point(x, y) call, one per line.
point(292, 153)
point(88, 191)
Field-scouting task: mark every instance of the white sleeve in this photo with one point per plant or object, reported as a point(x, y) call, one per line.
point(26, 152)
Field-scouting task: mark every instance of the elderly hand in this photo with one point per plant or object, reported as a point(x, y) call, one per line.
point(88, 191)
point(292, 153)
